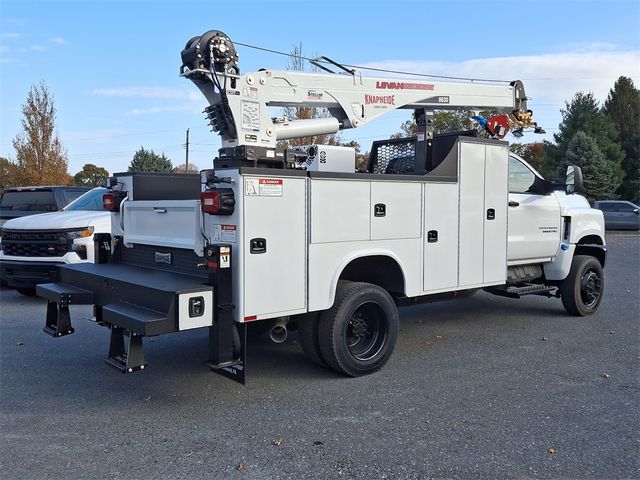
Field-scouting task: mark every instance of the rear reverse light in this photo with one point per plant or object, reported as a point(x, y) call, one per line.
point(111, 201)
point(218, 201)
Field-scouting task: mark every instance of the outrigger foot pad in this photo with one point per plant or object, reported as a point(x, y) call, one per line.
point(58, 322)
point(129, 359)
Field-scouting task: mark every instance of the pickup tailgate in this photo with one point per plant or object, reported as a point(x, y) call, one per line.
point(166, 223)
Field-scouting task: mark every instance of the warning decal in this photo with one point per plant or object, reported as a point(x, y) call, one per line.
point(225, 233)
point(250, 116)
point(263, 187)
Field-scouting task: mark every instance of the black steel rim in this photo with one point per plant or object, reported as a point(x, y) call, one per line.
point(590, 288)
point(367, 331)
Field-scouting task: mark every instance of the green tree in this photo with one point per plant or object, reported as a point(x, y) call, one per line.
point(532, 153)
point(599, 181)
point(583, 114)
point(444, 121)
point(623, 107)
point(149, 161)
point(91, 176)
point(8, 174)
point(40, 157)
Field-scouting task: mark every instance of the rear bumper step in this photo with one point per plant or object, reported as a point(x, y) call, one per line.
point(134, 318)
point(63, 293)
point(136, 302)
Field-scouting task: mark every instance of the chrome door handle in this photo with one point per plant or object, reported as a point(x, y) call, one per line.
point(513, 203)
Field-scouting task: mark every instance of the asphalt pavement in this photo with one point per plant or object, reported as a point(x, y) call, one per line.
point(485, 387)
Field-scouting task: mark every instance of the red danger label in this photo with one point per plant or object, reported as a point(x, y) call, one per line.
point(270, 181)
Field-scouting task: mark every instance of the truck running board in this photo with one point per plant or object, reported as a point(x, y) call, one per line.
point(522, 290)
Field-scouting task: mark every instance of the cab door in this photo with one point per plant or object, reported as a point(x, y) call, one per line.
point(534, 219)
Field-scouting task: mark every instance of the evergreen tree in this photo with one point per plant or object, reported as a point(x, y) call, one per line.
point(599, 181)
point(40, 157)
point(148, 161)
point(582, 114)
point(623, 107)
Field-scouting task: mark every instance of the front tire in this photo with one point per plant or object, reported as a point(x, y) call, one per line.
point(358, 333)
point(582, 290)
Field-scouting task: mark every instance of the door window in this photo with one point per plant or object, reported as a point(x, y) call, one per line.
point(521, 179)
point(625, 207)
point(607, 207)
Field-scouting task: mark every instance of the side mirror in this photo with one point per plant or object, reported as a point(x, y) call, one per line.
point(636, 211)
point(574, 181)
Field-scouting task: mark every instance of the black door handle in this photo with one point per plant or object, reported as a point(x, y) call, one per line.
point(513, 203)
point(258, 245)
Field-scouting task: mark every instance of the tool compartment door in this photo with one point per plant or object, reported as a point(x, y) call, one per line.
point(275, 245)
point(495, 213)
point(395, 210)
point(440, 236)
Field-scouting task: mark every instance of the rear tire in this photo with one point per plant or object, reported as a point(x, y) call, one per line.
point(582, 290)
point(308, 336)
point(27, 292)
point(358, 333)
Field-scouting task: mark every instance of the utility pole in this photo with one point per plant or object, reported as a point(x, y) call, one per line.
point(186, 154)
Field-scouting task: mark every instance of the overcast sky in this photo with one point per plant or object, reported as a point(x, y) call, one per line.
point(113, 66)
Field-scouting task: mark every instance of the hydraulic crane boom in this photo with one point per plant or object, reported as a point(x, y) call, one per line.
point(238, 104)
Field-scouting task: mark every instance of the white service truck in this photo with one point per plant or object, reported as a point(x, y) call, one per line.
point(301, 239)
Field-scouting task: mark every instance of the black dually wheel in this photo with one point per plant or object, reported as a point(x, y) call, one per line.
point(308, 336)
point(358, 333)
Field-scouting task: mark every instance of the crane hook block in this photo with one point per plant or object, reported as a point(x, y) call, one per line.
point(212, 50)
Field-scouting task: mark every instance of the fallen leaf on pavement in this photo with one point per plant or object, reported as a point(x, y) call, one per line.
point(552, 451)
point(278, 442)
point(605, 375)
point(240, 467)
point(439, 337)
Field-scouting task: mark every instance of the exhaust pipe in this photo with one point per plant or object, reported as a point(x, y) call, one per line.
point(278, 332)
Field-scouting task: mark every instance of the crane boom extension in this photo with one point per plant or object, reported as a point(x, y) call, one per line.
point(238, 104)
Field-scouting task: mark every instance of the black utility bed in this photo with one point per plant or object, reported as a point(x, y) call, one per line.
point(138, 299)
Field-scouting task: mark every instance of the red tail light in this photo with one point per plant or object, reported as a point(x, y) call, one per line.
point(218, 201)
point(111, 201)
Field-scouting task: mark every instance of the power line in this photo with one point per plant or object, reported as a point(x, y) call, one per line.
point(373, 69)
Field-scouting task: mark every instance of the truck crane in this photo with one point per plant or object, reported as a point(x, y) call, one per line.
point(302, 239)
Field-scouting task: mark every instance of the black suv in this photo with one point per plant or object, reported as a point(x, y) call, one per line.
point(21, 201)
